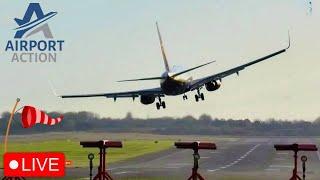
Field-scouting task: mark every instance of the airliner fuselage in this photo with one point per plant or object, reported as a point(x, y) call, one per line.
point(174, 85)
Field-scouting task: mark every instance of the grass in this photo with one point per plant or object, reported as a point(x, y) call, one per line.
point(134, 144)
point(78, 155)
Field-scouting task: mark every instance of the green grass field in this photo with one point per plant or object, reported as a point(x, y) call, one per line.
point(134, 144)
point(78, 155)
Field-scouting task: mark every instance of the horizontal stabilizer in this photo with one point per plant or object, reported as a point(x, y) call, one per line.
point(185, 71)
point(142, 79)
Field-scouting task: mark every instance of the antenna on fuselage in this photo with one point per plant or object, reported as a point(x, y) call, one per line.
point(162, 50)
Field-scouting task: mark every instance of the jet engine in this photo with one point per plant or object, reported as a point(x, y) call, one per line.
point(212, 86)
point(147, 99)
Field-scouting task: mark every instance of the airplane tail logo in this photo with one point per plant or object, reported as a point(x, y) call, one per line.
point(28, 27)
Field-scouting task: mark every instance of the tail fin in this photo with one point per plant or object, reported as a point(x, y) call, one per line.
point(162, 50)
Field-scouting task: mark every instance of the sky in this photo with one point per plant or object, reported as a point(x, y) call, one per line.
point(110, 40)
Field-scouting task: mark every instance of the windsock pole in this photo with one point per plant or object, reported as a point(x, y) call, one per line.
point(9, 124)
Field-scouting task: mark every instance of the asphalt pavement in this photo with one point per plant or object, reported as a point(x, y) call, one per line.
point(247, 158)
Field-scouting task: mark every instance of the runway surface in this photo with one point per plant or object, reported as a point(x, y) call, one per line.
point(247, 158)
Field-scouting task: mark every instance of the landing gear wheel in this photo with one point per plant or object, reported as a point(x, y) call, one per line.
point(163, 104)
point(160, 104)
point(185, 97)
point(202, 96)
point(196, 97)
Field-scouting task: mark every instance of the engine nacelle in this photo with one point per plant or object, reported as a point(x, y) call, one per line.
point(147, 99)
point(212, 86)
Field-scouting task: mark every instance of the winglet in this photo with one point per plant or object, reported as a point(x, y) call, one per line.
point(289, 39)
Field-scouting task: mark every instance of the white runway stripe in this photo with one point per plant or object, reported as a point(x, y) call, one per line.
point(214, 152)
point(206, 157)
point(281, 166)
point(271, 169)
point(179, 164)
point(125, 172)
point(236, 161)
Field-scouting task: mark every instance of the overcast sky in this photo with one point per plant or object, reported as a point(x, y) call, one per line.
point(106, 41)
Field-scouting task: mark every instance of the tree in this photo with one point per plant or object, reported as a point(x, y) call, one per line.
point(128, 116)
point(205, 117)
point(317, 121)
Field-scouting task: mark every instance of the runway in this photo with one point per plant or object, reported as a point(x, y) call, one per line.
point(247, 158)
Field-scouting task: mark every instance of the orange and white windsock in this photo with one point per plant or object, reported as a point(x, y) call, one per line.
point(31, 116)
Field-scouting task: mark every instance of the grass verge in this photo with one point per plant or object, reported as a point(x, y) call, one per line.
point(78, 155)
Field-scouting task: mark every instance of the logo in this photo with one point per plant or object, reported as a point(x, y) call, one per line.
point(26, 24)
point(35, 164)
point(34, 21)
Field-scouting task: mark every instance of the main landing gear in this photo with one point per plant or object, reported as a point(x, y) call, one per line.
point(199, 95)
point(185, 97)
point(160, 104)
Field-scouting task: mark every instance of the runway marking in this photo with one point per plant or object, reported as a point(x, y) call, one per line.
point(172, 167)
point(236, 161)
point(206, 157)
point(271, 169)
point(178, 164)
point(215, 170)
point(124, 172)
point(281, 166)
point(110, 169)
point(280, 159)
point(282, 153)
point(214, 152)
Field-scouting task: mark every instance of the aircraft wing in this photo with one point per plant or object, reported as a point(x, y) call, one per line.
point(127, 94)
point(200, 82)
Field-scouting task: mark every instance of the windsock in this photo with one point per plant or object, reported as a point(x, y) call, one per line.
point(31, 116)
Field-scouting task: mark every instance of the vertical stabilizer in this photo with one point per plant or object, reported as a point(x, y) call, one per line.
point(162, 50)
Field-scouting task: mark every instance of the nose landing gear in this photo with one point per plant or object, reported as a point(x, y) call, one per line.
point(160, 104)
point(199, 95)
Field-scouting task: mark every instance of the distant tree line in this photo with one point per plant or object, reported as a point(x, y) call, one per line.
point(204, 125)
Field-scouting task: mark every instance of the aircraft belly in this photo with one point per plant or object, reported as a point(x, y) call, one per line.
point(170, 87)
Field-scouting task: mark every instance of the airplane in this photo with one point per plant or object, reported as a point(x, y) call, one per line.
point(173, 82)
